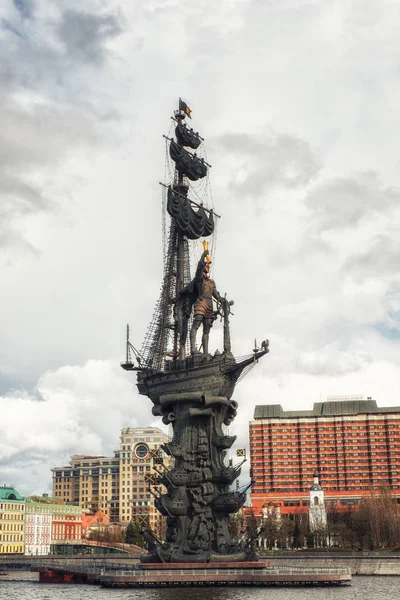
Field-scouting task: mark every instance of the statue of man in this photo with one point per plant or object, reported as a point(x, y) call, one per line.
point(203, 312)
point(198, 294)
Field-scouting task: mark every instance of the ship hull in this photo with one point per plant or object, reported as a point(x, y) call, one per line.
point(195, 374)
point(216, 375)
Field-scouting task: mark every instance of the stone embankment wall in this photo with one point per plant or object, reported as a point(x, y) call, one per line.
point(359, 565)
point(374, 563)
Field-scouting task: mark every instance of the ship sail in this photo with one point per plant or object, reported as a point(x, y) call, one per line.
point(163, 345)
point(187, 164)
point(187, 137)
point(191, 223)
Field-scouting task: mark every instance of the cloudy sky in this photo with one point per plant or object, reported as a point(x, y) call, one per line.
point(298, 101)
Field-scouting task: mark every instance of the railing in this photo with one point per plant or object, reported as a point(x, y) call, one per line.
point(22, 562)
point(266, 571)
point(350, 554)
point(308, 571)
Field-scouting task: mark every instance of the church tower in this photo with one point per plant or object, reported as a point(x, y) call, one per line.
point(317, 514)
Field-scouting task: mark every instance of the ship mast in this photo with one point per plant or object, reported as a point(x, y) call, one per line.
point(189, 221)
point(182, 188)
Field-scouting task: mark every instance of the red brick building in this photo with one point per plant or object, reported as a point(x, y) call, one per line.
point(354, 445)
point(66, 525)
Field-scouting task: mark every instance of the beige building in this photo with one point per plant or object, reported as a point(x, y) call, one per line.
point(90, 482)
point(118, 485)
point(138, 449)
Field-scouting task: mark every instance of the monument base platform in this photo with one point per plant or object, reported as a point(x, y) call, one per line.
point(221, 574)
point(208, 565)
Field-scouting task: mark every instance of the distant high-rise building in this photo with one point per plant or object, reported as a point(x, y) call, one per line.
point(12, 521)
point(119, 486)
point(139, 449)
point(353, 444)
point(90, 482)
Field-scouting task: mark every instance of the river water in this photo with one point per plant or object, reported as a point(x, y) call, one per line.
point(24, 586)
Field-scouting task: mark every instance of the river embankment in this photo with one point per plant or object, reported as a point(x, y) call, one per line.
point(359, 563)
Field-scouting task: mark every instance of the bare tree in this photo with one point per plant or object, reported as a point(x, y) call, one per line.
point(271, 523)
point(360, 525)
point(285, 533)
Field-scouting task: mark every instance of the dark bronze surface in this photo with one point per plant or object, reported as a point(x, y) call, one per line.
point(192, 393)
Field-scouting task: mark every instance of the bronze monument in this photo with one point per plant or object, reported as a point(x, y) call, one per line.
point(189, 388)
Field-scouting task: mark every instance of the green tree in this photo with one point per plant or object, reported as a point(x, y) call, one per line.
point(236, 526)
point(133, 535)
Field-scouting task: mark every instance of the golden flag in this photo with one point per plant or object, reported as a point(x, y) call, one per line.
point(183, 106)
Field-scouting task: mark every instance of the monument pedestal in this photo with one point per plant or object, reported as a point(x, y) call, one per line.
point(214, 574)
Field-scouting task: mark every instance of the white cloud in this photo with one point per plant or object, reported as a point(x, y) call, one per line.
point(75, 410)
point(297, 101)
point(343, 203)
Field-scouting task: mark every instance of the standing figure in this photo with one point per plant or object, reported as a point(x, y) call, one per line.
point(203, 312)
point(197, 295)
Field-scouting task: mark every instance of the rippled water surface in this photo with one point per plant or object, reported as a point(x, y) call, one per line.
point(23, 586)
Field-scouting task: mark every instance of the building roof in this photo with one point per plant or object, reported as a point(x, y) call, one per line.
point(45, 499)
point(324, 409)
point(9, 493)
point(96, 519)
point(316, 486)
point(146, 431)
